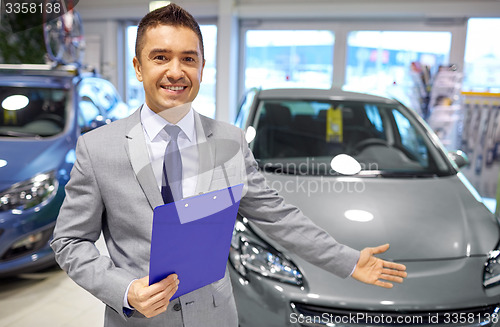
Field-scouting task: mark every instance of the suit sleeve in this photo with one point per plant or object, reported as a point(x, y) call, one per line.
point(288, 226)
point(77, 229)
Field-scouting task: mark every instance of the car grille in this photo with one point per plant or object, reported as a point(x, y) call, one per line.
point(16, 252)
point(306, 315)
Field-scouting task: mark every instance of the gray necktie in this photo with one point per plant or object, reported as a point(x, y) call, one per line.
point(171, 189)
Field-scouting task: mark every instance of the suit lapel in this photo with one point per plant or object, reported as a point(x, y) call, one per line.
point(139, 158)
point(206, 151)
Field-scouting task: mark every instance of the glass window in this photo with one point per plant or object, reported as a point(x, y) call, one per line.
point(277, 59)
point(482, 56)
point(379, 62)
point(245, 107)
point(134, 91)
point(205, 101)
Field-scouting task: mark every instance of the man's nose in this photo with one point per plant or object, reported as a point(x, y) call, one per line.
point(174, 70)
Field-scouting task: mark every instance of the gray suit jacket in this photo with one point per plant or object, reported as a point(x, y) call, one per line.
point(113, 189)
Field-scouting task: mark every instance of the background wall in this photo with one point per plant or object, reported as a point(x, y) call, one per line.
point(104, 21)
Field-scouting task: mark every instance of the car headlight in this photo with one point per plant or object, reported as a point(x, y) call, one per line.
point(250, 253)
point(29, 193)
point(491, 275)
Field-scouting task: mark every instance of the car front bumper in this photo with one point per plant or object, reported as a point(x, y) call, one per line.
point(25, 237)
point(35, 261)
point(265, 302)
point(306, 315)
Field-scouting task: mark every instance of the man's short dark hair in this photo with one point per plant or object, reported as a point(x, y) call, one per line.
point(171, 15)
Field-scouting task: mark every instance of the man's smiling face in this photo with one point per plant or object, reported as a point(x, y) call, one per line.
point(170, 66)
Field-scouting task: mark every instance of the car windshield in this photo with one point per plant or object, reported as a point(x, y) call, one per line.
point(32, 111)
point(302, 137)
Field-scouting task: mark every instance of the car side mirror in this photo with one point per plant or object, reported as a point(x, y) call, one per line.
point(459, 158)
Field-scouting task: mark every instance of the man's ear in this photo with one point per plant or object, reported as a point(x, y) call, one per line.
point(137, 67)
point(202, 68)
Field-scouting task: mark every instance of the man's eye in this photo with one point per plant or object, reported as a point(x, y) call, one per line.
point(160, 58)
point(190, 59)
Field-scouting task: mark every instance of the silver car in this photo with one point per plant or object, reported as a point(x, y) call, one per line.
point(369, 171)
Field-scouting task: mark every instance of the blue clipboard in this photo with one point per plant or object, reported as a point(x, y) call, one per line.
point(191, 238)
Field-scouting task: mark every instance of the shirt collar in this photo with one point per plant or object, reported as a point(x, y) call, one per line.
point(154, 124)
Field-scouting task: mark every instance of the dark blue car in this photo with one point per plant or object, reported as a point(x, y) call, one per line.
point(42, 112)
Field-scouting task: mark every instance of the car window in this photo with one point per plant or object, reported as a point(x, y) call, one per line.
point(104, 97)
point(380, 136)
point(100, 92)
point(107, 96)
point(373, 115)
point(411, 140)
point(87, 114)
point(32, 111)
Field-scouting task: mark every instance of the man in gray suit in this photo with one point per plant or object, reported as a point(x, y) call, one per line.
point(118, 178)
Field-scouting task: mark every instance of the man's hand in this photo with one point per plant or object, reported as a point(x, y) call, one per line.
point(152, 300)
point(372, 270)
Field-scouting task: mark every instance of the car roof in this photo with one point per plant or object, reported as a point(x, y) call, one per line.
point(38, 75)
point(318, 94)
point(13, 80)
point(39, 69)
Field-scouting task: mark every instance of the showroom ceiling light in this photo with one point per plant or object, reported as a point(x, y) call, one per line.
point(15, 102)
point(361, 216)
point(345, 165)
point(3, 163)
point(250, 134)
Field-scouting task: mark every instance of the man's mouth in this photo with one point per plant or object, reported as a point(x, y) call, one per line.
point(173, 88)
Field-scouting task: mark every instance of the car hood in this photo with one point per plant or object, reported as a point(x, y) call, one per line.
point(422, 218)
point(26, 158)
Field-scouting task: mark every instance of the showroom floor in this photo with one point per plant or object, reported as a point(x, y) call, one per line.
point(50, 298)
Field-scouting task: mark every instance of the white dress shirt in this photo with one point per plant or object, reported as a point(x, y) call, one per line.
point(157, 140)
